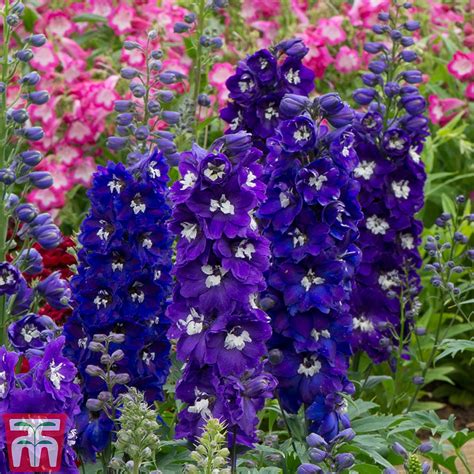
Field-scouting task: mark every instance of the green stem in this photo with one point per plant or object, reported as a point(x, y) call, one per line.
point(461, 457)
point(3, 150)
point(233, 459)
point(198, 64)
point(285, 419)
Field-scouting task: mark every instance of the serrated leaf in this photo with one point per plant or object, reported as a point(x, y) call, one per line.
point(452, 347)
point(439, 374)
point(373, 423)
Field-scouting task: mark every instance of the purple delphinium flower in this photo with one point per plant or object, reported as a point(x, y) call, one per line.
point(122, 285)
point(32, 332)
point(221, 258)
point(258, 86)
point(389, 142)
point(310, 216)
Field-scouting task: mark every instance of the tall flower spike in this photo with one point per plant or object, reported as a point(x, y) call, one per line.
point(389, 141)
point(219, 268)
point(123, 276)
point(310, 217)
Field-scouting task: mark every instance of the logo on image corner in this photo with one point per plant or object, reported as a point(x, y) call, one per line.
point(34, 441)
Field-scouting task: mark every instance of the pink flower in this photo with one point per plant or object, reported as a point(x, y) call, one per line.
point(347, 60)
point(120, 20)
point(462, 66)
point(82, 173)
point(106, 94)
point(330, 30)
point(219, 73)
point(47, 199)
point(469, 93)
point(364, 12)
point(442, 111)
point(318, 57)
point(45, 59)
point(57, 23)
point(68, 154)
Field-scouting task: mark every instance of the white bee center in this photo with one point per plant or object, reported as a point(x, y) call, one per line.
point(293, 77)
point(250, 180)
point(407, 241)
point(377, 225)
point(188, 181)
point(302, 134)
point(271, 112)
point(310, 366)
point(363, 324)
point(401, 189)
point(284, 200)
point(193, 324)
point(223, 205)
point(30, 332)
point(311, 279)
point(214, 172)
point(234, 341)
point(214, 275)
point(189, 231)
point(102, 299)
point(365, 170)
point(115, 185)
point(389, 280)
point(299, 239)
point(55, 375)
point(317, 180)
point(245, 250)
point(153, 172)
point(137, 205)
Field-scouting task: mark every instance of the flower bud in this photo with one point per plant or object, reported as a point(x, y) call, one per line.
point(33, 134)
point(141, 133)
point(19, 116)
point(24, 55)
point(38, 97)
point(412, 77)
point(138, 90)
point(374, 47)
point(116, 338)
point(171, 117)
point(94, 371)
point(96, 347)
point(94, 405)
point(377, 67)
point(165, 96)
point(30, 79)
point(129, 73)
point(123, 106)
point(407, 41)
point(317, 455)
point(400, 450)
point(117, 355)
point(408, 56)
point(130, 45)
point(26, 212)
point(154, 107)
point(41, 179)
point(203, 100)
point(37, 40)
point(190, 18)
point(344, 460)
point(180, 27)
point(121, 378)
point(425, 447)
point(412, 25)
point(116, 143)
point(31, 157)
point(364, 96)
point(7, 176)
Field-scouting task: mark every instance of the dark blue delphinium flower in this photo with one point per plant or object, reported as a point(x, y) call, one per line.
point(220, 261)
point(311, 217)
point(122, 285)
point(389, 142)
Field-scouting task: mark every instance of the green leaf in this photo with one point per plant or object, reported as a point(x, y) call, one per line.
point(440, 374)
point(24, 441)
point(454, 346)
point(47, 423)
point(428, 405)
point(22, 423)
point(372, 423)
point(366, 469)
point(375, 380)
point(89, 18)
point(359, 407)
point(44, 441)
point(29, 18)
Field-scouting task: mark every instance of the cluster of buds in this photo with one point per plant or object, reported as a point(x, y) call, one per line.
point(326, 456)
point(411, 461)
point(106, 400)
point(137, 439)
point(138, 119)
point(210, 454)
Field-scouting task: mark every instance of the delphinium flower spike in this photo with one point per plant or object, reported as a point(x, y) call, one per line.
point(220, 261)
point(310, 217)
point(389, 141)
point(117, 333)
